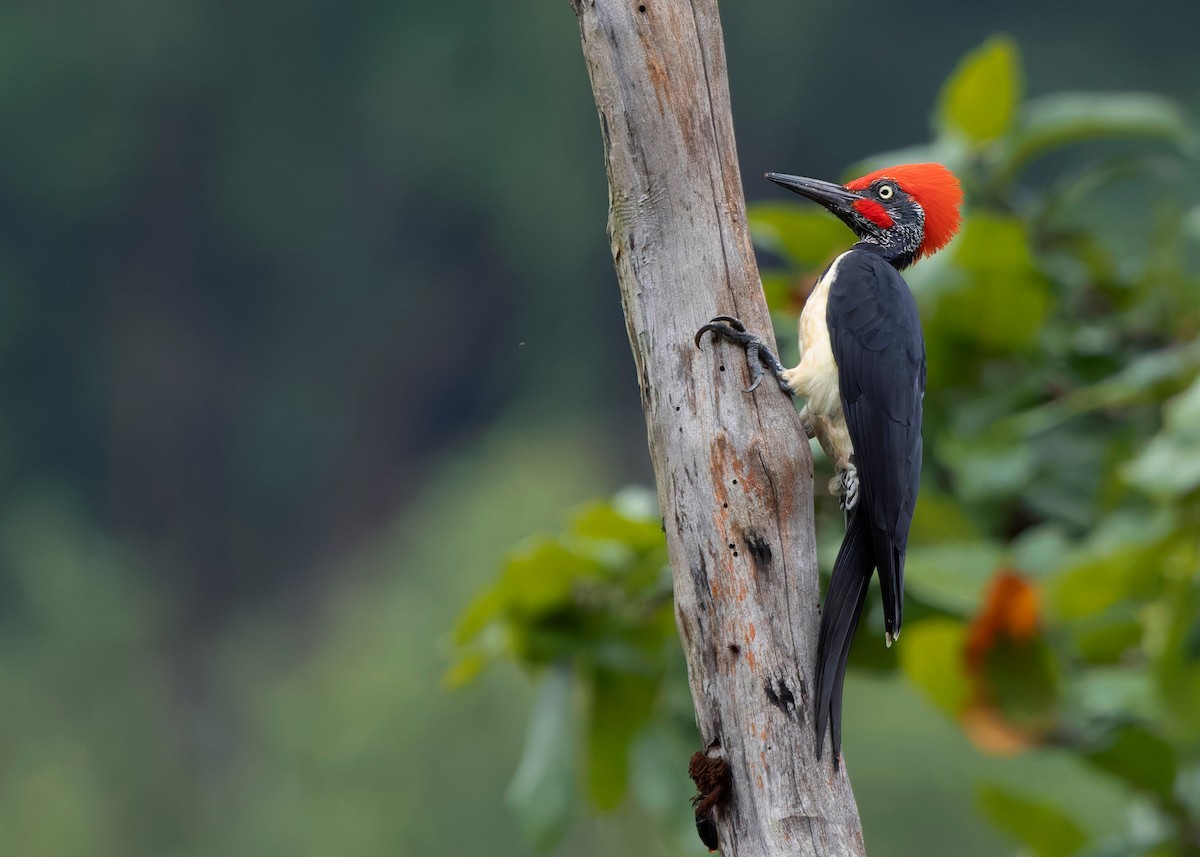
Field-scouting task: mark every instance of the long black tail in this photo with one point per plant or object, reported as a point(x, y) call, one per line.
point(890, 562)
point(839, 618)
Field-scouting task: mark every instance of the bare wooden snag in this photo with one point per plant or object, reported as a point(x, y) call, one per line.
point(734, 471)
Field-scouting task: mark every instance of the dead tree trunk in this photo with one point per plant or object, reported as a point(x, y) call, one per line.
point(734, 470)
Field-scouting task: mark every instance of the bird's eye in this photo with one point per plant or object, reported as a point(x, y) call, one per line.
point(886, 191)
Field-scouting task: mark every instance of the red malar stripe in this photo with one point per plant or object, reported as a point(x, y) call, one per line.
point(874, 212)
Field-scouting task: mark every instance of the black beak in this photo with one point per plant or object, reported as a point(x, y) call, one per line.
point(832, 196)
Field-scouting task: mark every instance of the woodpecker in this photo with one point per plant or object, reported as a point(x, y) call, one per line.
point(862, 377)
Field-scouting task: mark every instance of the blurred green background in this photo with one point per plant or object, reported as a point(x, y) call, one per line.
point(308, 319)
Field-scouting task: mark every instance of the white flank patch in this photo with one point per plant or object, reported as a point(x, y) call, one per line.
point(816, 379)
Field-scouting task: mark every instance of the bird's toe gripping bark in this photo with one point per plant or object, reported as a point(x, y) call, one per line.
point(759, 358)
point(848, 484)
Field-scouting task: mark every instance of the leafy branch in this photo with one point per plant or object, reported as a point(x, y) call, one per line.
point(1054, 570)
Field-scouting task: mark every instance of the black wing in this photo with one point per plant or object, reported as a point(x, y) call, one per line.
point(875, 334)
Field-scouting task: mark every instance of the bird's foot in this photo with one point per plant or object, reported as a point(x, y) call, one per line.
point(758, 357)
point(848, 485)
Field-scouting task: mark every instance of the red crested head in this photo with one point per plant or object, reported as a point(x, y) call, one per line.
point(903, 212)
point(933, 187)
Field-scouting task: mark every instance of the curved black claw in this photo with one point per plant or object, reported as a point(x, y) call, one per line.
point(735, 323)
point(758, 356)
point(728, 331)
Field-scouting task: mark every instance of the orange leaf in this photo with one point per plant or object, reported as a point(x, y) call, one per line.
point(1011, 609)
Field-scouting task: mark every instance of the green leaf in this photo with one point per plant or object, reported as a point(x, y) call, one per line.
point(1191, 641)
point(1141, 381)
point(779, 290)
point(1062, 119)
point(940, 518)
point(604, 521)
point(543, 789)
point(620, 705)
point(1124, 845)
point(1176, 671)
point(951, 576)
point(1101, 580)
point(807, 237)
point(483, 610)
point(994, 240)
point(1068, 475)
point(1170, 464)
point(1042, 827)
point(1107, 640)
point(979, 101)
point(993, 297)
point(466, 667)
point(932, 656)
point(1140, 758)
point(1108, 693)
point(541, 578)
point(985, 467)
point(1040, 551)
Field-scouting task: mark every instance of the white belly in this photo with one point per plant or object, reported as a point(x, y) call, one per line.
point(815, 379)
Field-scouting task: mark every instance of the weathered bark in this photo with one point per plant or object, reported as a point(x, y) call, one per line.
point(734, 470)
